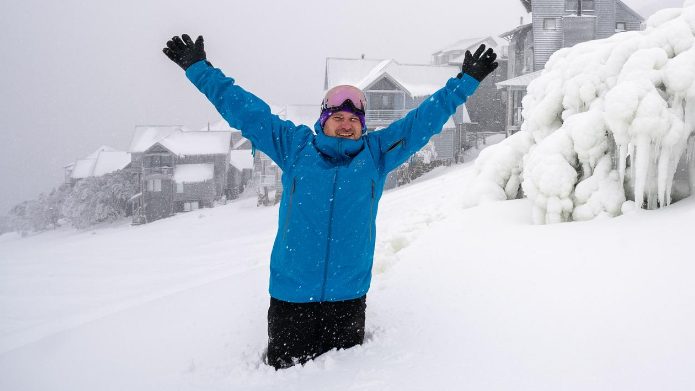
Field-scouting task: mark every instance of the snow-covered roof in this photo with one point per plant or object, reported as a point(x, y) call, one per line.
point(219, 125)
point(110, 161)
point(193, 173)
point(147, 136)
point(298, 114)
point(83, 168)
point(462, 44)
point(519, 81)
point(241, 159)
point(242, 143)
point(516, 30)
point(416, 79)
point(103, 148)
point(103, 161)
point(198, 143)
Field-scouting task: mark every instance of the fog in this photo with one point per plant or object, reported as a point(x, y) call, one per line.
point(77, 75)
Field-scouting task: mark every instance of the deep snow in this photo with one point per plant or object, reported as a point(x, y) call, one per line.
point(477, 299)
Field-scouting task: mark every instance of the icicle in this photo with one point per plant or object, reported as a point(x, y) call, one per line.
point(622, 162)
point(663, 179)
point(640, 167)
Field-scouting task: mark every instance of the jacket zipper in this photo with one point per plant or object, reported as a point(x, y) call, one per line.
point(330, 233)
point(371, 212)
point(289, 209)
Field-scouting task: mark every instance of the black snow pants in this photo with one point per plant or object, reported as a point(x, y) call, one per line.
point(298, 332)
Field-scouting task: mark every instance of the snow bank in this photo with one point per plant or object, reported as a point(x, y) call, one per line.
point(606, 119)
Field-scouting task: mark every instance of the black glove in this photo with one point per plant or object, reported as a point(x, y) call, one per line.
point(184, 51)
point(480, 64)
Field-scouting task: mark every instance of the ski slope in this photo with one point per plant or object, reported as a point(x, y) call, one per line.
point(466, 299)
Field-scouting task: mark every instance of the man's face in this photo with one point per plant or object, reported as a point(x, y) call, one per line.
point(343, 124)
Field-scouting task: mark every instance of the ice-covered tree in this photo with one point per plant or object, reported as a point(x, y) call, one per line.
point(605, 126)
point(99, 199)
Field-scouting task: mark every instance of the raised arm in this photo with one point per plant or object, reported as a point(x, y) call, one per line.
point(277, 138)
point(403, 138)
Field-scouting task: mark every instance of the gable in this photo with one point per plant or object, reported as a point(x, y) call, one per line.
point(383, 84)
point(157, 148)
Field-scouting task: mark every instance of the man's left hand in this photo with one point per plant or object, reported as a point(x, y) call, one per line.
point(480, 64)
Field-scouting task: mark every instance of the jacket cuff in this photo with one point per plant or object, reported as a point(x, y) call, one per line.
point(463, 87)
point(194, 71)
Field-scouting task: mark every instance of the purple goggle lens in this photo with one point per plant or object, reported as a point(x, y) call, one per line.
point(336, 96)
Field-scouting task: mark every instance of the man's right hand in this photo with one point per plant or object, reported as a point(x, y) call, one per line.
point(184, 52)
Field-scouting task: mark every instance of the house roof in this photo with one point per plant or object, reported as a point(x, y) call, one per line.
point(83, 169)
point(103, 161)
point(241, 159)
point(194, 173)
point(519, 81)
point(198, 143)
point(461, 44)
point(146, 136)
point(630, 10)
point(110, 161)
point(298, 114)
point(415, 79)
point(516, 30)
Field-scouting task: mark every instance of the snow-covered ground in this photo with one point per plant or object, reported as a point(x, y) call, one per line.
point(474, 299)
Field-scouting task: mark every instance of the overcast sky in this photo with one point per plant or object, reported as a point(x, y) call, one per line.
point(76, 75)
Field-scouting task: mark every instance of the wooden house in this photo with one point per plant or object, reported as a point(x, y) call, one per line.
point(179, 170)
point(556, 24)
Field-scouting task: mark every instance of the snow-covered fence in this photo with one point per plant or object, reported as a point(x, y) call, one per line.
point(606, 124)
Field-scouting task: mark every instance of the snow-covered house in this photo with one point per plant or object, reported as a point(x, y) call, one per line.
point(103, 161)
point(393, 89)
point(179, 170)
point(556, 24)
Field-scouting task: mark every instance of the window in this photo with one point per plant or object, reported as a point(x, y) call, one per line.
point(620, 26)
point(549, 24)
point(587, 5)
point(179, 187)
point(154, 185)
point(385, 100)
point(189, 206)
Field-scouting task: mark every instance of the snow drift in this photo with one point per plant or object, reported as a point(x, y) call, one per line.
point(605, 127)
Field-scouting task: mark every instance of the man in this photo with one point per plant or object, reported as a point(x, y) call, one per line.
point(333, 178)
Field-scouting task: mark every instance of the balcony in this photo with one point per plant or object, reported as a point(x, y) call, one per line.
point(163, 170)
point(383, 117)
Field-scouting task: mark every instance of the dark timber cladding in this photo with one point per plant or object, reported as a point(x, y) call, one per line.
point(547, 40)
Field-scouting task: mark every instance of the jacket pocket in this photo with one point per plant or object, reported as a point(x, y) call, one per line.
point(288, 216)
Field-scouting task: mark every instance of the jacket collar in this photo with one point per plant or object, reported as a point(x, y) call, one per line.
point(337, 148)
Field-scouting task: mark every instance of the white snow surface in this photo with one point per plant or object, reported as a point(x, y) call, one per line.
point(194, 172)
point(627, 98)
point(241, 159)
point(462, 299)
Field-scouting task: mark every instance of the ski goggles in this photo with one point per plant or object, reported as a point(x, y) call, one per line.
point(337, 96)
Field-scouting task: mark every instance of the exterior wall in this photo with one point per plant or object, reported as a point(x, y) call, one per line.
point(486, 106)
point(578, 29)
point(444, 145)
point(158, 204)
point(605, 15)
point(204, 192)
point(632, 23)
point(546, 42)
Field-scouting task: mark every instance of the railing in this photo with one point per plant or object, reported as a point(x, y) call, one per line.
point(164, 170)
point(384, 115)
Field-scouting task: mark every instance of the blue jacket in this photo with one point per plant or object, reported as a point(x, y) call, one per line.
point(324, 246)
